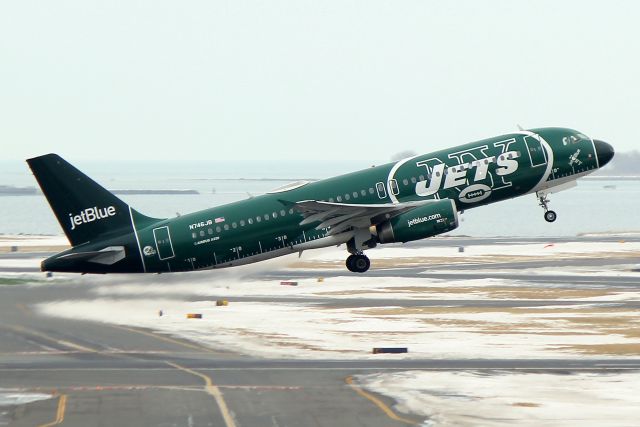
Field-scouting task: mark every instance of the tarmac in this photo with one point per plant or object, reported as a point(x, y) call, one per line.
point(109, 375)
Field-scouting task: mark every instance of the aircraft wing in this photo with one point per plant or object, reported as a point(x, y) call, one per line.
point(341, 216)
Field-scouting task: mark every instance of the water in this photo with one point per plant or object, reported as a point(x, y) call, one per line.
point(588, 208)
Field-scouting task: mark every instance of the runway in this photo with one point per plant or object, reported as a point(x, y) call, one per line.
point(110, 375)
point(115, 376)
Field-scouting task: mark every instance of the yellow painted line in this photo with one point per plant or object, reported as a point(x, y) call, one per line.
point(213, 390)
point(163, 338)
point(62, 406)
point(51, 339)
point(379, 403)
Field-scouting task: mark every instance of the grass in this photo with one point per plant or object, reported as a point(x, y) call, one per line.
point(8, 281)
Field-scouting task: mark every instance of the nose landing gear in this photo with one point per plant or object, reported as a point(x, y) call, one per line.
point(549, 215)
point(358, 263)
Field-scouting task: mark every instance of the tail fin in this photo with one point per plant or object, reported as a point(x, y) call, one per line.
point(84, 209)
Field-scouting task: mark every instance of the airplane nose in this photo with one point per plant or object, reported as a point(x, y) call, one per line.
point(604, 151)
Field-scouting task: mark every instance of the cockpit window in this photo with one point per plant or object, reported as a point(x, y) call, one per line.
point(574, 139)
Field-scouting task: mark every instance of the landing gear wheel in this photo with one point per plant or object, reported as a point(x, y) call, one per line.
point(543, 201)
point(550, 216)
point(360, 263)
point(349, 263)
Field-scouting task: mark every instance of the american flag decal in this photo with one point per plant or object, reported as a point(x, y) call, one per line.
point(219, 220)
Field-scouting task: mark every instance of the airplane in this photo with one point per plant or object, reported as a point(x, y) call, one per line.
point(411, 199)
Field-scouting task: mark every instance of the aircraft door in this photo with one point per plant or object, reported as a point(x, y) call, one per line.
point(537, 153)
point(380, 188)
point(164, 246)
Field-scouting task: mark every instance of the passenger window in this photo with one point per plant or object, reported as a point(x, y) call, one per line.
point(363, 192)
point(218, 229)
point(210, 231)
point(194, 235)
point(258, 219)
point(250, 221)
point(339, 198)
point(347, 197)
point(413, 180)
point(226, 226)
point(371, 191)
point(266, 217)
point(242, 223)
point(282, 212)
point(405, 181)
point(355, 194)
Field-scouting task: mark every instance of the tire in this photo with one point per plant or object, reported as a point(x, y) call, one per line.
point(350, 263)
point(550, 216)
point(361, 264)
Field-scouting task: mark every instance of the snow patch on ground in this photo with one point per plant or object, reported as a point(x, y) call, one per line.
point(339, 287)
point(497, 399)
point(16, 397)
point(306, 330)
point(20, 262)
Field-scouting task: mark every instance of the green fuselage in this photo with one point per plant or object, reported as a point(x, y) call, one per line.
point(269, 225)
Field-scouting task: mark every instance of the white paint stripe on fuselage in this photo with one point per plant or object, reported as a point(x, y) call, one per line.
point(135, 233)
point(392, 174)
point(595, 153)
point(550, 158)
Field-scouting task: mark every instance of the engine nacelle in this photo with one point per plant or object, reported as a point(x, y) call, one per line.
point(419, 223)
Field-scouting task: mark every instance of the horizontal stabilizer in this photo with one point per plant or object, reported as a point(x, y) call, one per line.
point(106, 256)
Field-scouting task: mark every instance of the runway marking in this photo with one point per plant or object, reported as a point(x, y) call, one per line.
point(379, 403)
point(51, 339)
point(62, 406)
point(163, 338)
point(213, 390)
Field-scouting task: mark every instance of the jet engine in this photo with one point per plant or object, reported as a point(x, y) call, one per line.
point(419, 223)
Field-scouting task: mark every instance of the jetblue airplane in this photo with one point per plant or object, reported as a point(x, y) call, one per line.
point(412, 199)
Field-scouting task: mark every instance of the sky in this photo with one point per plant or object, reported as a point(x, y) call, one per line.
point(298, 80)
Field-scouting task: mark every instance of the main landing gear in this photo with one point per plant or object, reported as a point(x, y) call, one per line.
point(549, 215)
point(358, 263)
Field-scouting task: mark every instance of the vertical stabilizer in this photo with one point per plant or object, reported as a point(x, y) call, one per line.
point(85, 210)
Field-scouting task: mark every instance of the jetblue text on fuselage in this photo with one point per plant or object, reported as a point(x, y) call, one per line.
point(420, 220)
